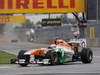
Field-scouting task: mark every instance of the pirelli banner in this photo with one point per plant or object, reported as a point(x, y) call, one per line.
point(41, 6)
point(12, 19)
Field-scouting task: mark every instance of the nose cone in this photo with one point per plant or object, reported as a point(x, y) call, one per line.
point(38, 52)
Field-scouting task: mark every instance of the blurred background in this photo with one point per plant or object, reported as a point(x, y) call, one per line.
point(44, 28)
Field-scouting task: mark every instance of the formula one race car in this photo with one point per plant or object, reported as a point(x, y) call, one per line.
point(58, 53)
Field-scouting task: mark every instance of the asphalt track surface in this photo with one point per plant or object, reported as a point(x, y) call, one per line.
point(76, 68)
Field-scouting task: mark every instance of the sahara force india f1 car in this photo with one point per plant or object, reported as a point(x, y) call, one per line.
point(58, 53)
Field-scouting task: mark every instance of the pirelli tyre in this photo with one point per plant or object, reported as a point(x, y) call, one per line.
point(53, 58)
point(23, 60)
point(86, 55)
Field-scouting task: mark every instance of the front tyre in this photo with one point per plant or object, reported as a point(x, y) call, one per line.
point(23, 60)
point(53, 58)
point(86, 55)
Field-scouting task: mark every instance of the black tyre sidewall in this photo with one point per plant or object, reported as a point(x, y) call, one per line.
point(22, 56)
point(86, 55)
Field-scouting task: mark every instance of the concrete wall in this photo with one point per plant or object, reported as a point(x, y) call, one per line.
point(53, 32)
point(46, 35)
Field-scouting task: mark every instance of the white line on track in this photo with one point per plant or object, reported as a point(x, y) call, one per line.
point(5, 67)
point(97, 56)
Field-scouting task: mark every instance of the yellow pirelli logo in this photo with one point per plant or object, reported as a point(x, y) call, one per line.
point(42, 6)
point(12, 19)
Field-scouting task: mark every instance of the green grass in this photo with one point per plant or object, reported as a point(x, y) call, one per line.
point(5, 57)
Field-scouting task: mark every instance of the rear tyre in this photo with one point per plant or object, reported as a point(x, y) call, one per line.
point(86, 55)
point(21, 56)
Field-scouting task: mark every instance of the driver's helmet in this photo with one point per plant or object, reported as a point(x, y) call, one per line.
point(58, 41)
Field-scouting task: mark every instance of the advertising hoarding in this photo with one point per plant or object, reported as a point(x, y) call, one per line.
point(12, 19)
point(41, 6)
